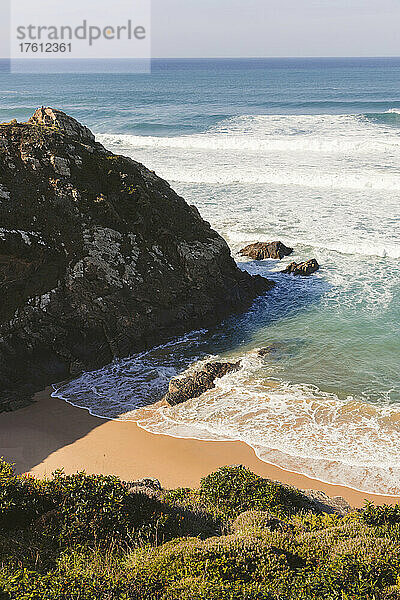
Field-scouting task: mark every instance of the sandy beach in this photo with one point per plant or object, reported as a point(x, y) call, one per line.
point(51, 434)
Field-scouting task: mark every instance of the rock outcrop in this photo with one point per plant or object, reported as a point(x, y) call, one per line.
point(305, 268)
point(99, 257)
point(51, 117)
point(262, 250)
point(149, 486)
point(326, 504)
point(182, 389)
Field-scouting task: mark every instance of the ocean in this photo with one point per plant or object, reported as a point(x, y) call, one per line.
point(306, 151)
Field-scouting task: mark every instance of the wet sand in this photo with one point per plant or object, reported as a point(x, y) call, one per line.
point(51, 434)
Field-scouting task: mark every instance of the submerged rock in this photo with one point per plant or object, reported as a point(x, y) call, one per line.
point(305, 268)
point(262, 250)
point(182, 389)
point(267, 350)
point(99, 257)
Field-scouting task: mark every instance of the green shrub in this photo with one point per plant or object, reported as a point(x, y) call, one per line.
point(189, 502)
point(348, 559)
point(253, 522)
point(97, 508)
point(195, 588)
point(384, 519)
point(232, 490)
point(223, 563)
point(315, 522)
point(22, 498)
point(30, 585)
point(87, 537)
point(381, 515)
point(93, 509)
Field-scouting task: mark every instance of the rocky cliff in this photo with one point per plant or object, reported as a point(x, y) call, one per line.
point(99, 257)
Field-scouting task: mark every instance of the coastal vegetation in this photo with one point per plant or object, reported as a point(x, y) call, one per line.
point(239, 536)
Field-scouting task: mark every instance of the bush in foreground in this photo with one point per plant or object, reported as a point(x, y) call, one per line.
point(233, 490)
point(238, 537)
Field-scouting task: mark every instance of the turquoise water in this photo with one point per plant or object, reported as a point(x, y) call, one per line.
point(305, 151)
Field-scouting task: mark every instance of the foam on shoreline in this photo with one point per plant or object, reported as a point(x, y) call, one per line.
point(296, 427)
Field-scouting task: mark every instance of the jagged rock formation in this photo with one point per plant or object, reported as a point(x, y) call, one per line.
point(182, 389)
point(262, 250)
point(50, 117)
point(99, 257)
point(305, 268)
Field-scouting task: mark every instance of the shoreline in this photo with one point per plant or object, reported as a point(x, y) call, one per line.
point(51, 434)
point(199, 439)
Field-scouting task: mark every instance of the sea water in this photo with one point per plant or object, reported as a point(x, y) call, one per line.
point(302, 151)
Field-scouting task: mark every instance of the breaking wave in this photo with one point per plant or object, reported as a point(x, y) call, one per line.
point(317, 151)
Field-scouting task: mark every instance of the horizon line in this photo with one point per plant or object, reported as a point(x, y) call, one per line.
point(265, 57)
point(3, 58)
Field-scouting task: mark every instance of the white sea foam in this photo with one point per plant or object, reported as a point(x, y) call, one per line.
point(330, 134)
point(314, 151)
point(269, 175)
point(297, 427)
point(211, 141)
point(116, 390)
point(365, 249)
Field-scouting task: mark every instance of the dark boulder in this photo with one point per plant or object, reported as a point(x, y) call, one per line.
point(262, 250)
point(182, 389)
point(99, 257)
point(304, 268)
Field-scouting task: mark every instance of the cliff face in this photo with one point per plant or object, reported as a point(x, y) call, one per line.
point(99, 257)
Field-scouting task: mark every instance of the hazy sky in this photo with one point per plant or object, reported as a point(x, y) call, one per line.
point(217, 28)
point(244, 28)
